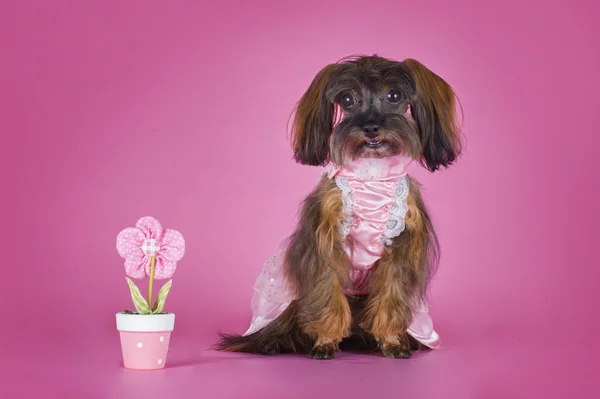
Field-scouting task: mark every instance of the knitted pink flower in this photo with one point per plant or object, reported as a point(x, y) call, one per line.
point(140, 243)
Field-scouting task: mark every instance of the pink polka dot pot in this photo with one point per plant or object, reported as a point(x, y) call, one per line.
point(145, 339)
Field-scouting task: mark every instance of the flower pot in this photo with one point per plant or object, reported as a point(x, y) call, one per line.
point(145, 339)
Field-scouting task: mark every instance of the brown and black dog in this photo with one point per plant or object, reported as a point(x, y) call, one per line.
point(357, 108)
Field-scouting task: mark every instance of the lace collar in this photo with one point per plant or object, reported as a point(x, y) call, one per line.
point(370, 168)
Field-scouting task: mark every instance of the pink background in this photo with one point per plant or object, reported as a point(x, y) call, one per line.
point(113, 110)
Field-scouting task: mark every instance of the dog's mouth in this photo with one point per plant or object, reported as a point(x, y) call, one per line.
point(374, 143)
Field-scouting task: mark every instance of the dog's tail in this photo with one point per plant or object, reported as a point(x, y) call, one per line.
point(282, 335)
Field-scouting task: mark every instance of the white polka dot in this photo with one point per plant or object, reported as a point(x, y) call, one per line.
point(161, 339)
point(139, 345)
point(159, 361)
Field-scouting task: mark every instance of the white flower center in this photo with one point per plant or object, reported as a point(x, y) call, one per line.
point(150, 247)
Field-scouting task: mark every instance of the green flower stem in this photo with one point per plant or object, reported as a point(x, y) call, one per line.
point(150, 284)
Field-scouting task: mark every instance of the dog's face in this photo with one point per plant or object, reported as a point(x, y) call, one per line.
point(373, 96)
point(372, 107)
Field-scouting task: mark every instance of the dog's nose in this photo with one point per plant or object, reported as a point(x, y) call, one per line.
point(371, 130)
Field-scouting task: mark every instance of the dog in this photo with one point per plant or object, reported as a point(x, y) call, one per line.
point(355, 271)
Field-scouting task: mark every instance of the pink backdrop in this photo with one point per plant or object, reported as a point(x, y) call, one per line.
point(113, 110)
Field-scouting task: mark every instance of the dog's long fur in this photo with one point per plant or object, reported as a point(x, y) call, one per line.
point(316, 266)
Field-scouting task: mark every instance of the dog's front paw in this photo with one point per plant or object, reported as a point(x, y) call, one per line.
point(325, 351)
point(396, 349)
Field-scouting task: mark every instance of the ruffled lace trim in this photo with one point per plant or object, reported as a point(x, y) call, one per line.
point(395, 224)
point(347, 206)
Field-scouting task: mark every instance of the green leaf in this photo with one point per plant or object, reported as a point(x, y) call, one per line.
point(138, 300)
point(162, 297)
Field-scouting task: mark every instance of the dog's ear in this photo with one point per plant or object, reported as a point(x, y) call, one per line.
point(313, 121)
point(433, 107)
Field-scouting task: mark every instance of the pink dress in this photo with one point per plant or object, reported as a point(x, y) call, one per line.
point(374, 193)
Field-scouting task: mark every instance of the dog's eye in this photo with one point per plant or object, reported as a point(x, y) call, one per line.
point(394, 96)
point(347, 100)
